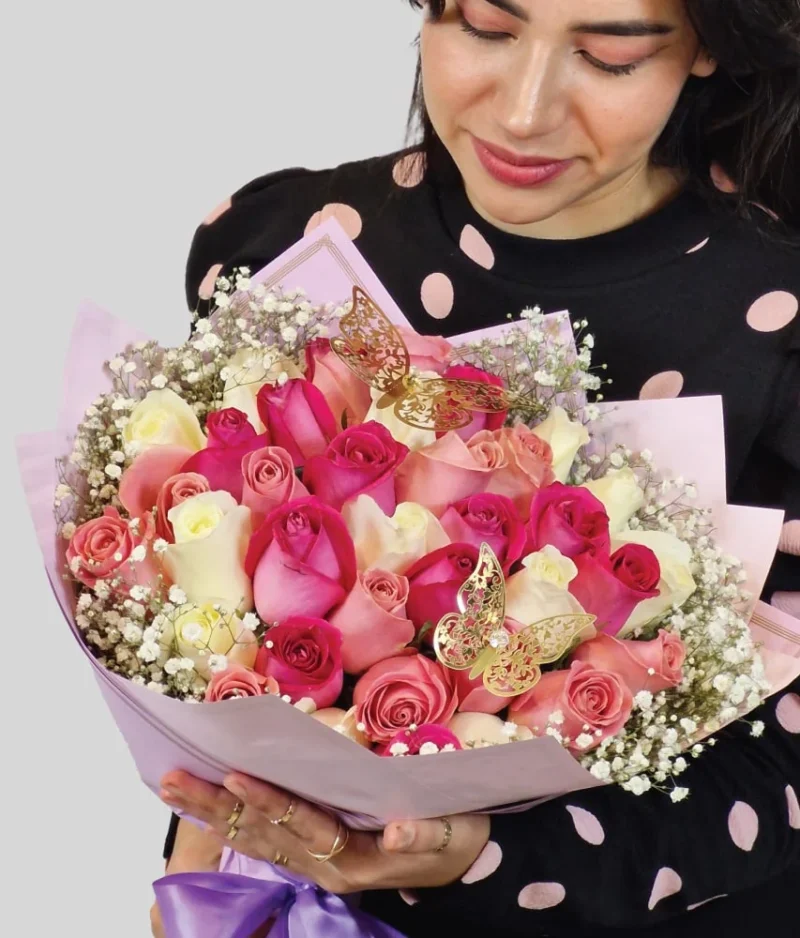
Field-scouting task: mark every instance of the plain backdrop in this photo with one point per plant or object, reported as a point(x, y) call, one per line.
point(123, 125)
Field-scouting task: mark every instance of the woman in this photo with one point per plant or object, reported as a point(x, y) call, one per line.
point(621, 159)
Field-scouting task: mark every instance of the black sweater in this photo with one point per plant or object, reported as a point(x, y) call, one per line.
point(689, 300)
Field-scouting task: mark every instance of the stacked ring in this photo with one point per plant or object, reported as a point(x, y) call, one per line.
point(342, 837)
point(233, 820)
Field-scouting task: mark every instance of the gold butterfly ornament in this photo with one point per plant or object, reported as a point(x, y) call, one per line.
point(476, 639)
point(373, 349)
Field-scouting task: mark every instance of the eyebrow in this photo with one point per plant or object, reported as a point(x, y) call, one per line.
point(612, 28)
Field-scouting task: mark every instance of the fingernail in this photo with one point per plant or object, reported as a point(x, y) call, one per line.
point(404, 837)
point(168, 796)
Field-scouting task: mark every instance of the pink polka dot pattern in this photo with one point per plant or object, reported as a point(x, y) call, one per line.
point(790, 538)
point(721, 179)
point(667, 883)
point(788, 713)
point(787, 602)
point(487, 863)
point(587, 826)
point(218, 211)
point(698, 247)
point(666, 384)
point(409, 170)
point(743, 826)
point(438, 295)
point(539, 896)
point(476, 247)
point(773, 311)
point(206, 289)
point(697, 905)
point(408, 897)
point(346, 215)
point(794, 808)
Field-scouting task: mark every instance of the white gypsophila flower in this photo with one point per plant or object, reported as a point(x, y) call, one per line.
point(177, 595)
point(601, 770)
point(757, 729)
point(510, 729)
point(643, 700)
point(722, 683)
point(187, 664)
point(679, 794)
point(68, 530)
point(132, 634)
point(149, 651)
point(113, 471)
point(155, 686)
point(428, 749)
point(638, 785)
point(84, 601)
point(250, 621)
point(584, 741)
point(138, 554)
point(173, 666)
point(688, 726)
point(159, 382)
point(556, 717)
point(217, 663)
point(398, 749)
point(160, 545)
point(289, 334)
point(138, 592)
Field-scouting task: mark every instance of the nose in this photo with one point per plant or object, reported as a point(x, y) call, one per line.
point(531, 98)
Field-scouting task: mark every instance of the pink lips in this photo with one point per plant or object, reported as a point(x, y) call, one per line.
point(515, 170)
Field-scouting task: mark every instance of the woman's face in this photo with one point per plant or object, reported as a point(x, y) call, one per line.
point(584, 87)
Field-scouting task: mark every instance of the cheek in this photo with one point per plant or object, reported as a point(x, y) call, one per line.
point(453, 76)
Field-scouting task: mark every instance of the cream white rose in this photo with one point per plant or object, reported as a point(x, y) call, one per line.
point(477, 730)
point(163, 418)
point(199, 631)
point(249, 371)
point(550, 566)
point(565, 437)
point(212, 533)
point(530, 599)
point(677, 583)
point(412, 437)
point(391, 544)
point(621, 495)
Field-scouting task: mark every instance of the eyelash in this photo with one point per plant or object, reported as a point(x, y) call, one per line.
point(616, 70)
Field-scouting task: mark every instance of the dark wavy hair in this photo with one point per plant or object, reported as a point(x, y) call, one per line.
point(745, 117)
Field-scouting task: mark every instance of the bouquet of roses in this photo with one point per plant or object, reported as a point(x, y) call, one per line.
point(391, 545)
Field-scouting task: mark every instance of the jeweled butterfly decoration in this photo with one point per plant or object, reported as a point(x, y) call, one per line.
point(476, 638)
point(373, 348)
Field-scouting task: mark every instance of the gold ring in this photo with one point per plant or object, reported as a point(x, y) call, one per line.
point(448, 835)
point(280, 859)
point(287, 816)
point(232, 821)
point(342, 837)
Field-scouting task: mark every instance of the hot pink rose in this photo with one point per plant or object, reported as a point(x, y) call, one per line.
point(569, 518)
point(528, 465)
point(633, 661)
point(427, 352)
point(345, 393)
point(142, 480)
point(231, 437)
point(176, 489)
point(424, 740)
point(238, 681)
point(102, 549)
point(301, 560)
point(297, 417)
point(444, 472)
point(480, 421)
point(361, 460)
point(585, 696)
point(401, 691)
point(612, 589)
point(434, 581)
point(304, 655)
point(269, 481)
point(373, 620)
point(492, 519)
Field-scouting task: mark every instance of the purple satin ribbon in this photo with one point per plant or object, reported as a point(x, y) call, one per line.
point(230, 905)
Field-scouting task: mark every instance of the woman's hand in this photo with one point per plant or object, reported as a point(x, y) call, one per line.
point(276, 827)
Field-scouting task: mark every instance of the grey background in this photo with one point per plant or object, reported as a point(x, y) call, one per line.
point(124, 124)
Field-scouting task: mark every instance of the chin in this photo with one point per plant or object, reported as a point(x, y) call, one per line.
point(524, 208)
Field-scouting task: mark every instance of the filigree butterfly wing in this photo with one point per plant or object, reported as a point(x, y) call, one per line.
point(461, 638)
point(447, 404)
point(371, 345)
point(516, 668)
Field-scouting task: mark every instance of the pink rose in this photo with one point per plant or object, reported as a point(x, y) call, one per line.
point(373, 620)
point(237, 681)
point(401, 691)
point(345, 393)
point(427, 352)
point(301, 560)
point(231, 437)
point(528, 465)
point(480, 421)
point(585, 696)
point(489, 454)
point(569, 518)
point(176, 489)
point(269, 481)
point(442, 473)
point(361, 460)
point(304, 655)
point(434, 581)
point(664, 656)
point(297, 417)
point(142, 480)
point(612, 589)
point(425, 740)
point(492, 519)
point(102, 549)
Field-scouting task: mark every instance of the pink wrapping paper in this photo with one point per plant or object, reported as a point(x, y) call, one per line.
point(268, 738)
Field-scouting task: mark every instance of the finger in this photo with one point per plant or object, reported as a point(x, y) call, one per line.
point(415, 836)
point(204, 801)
